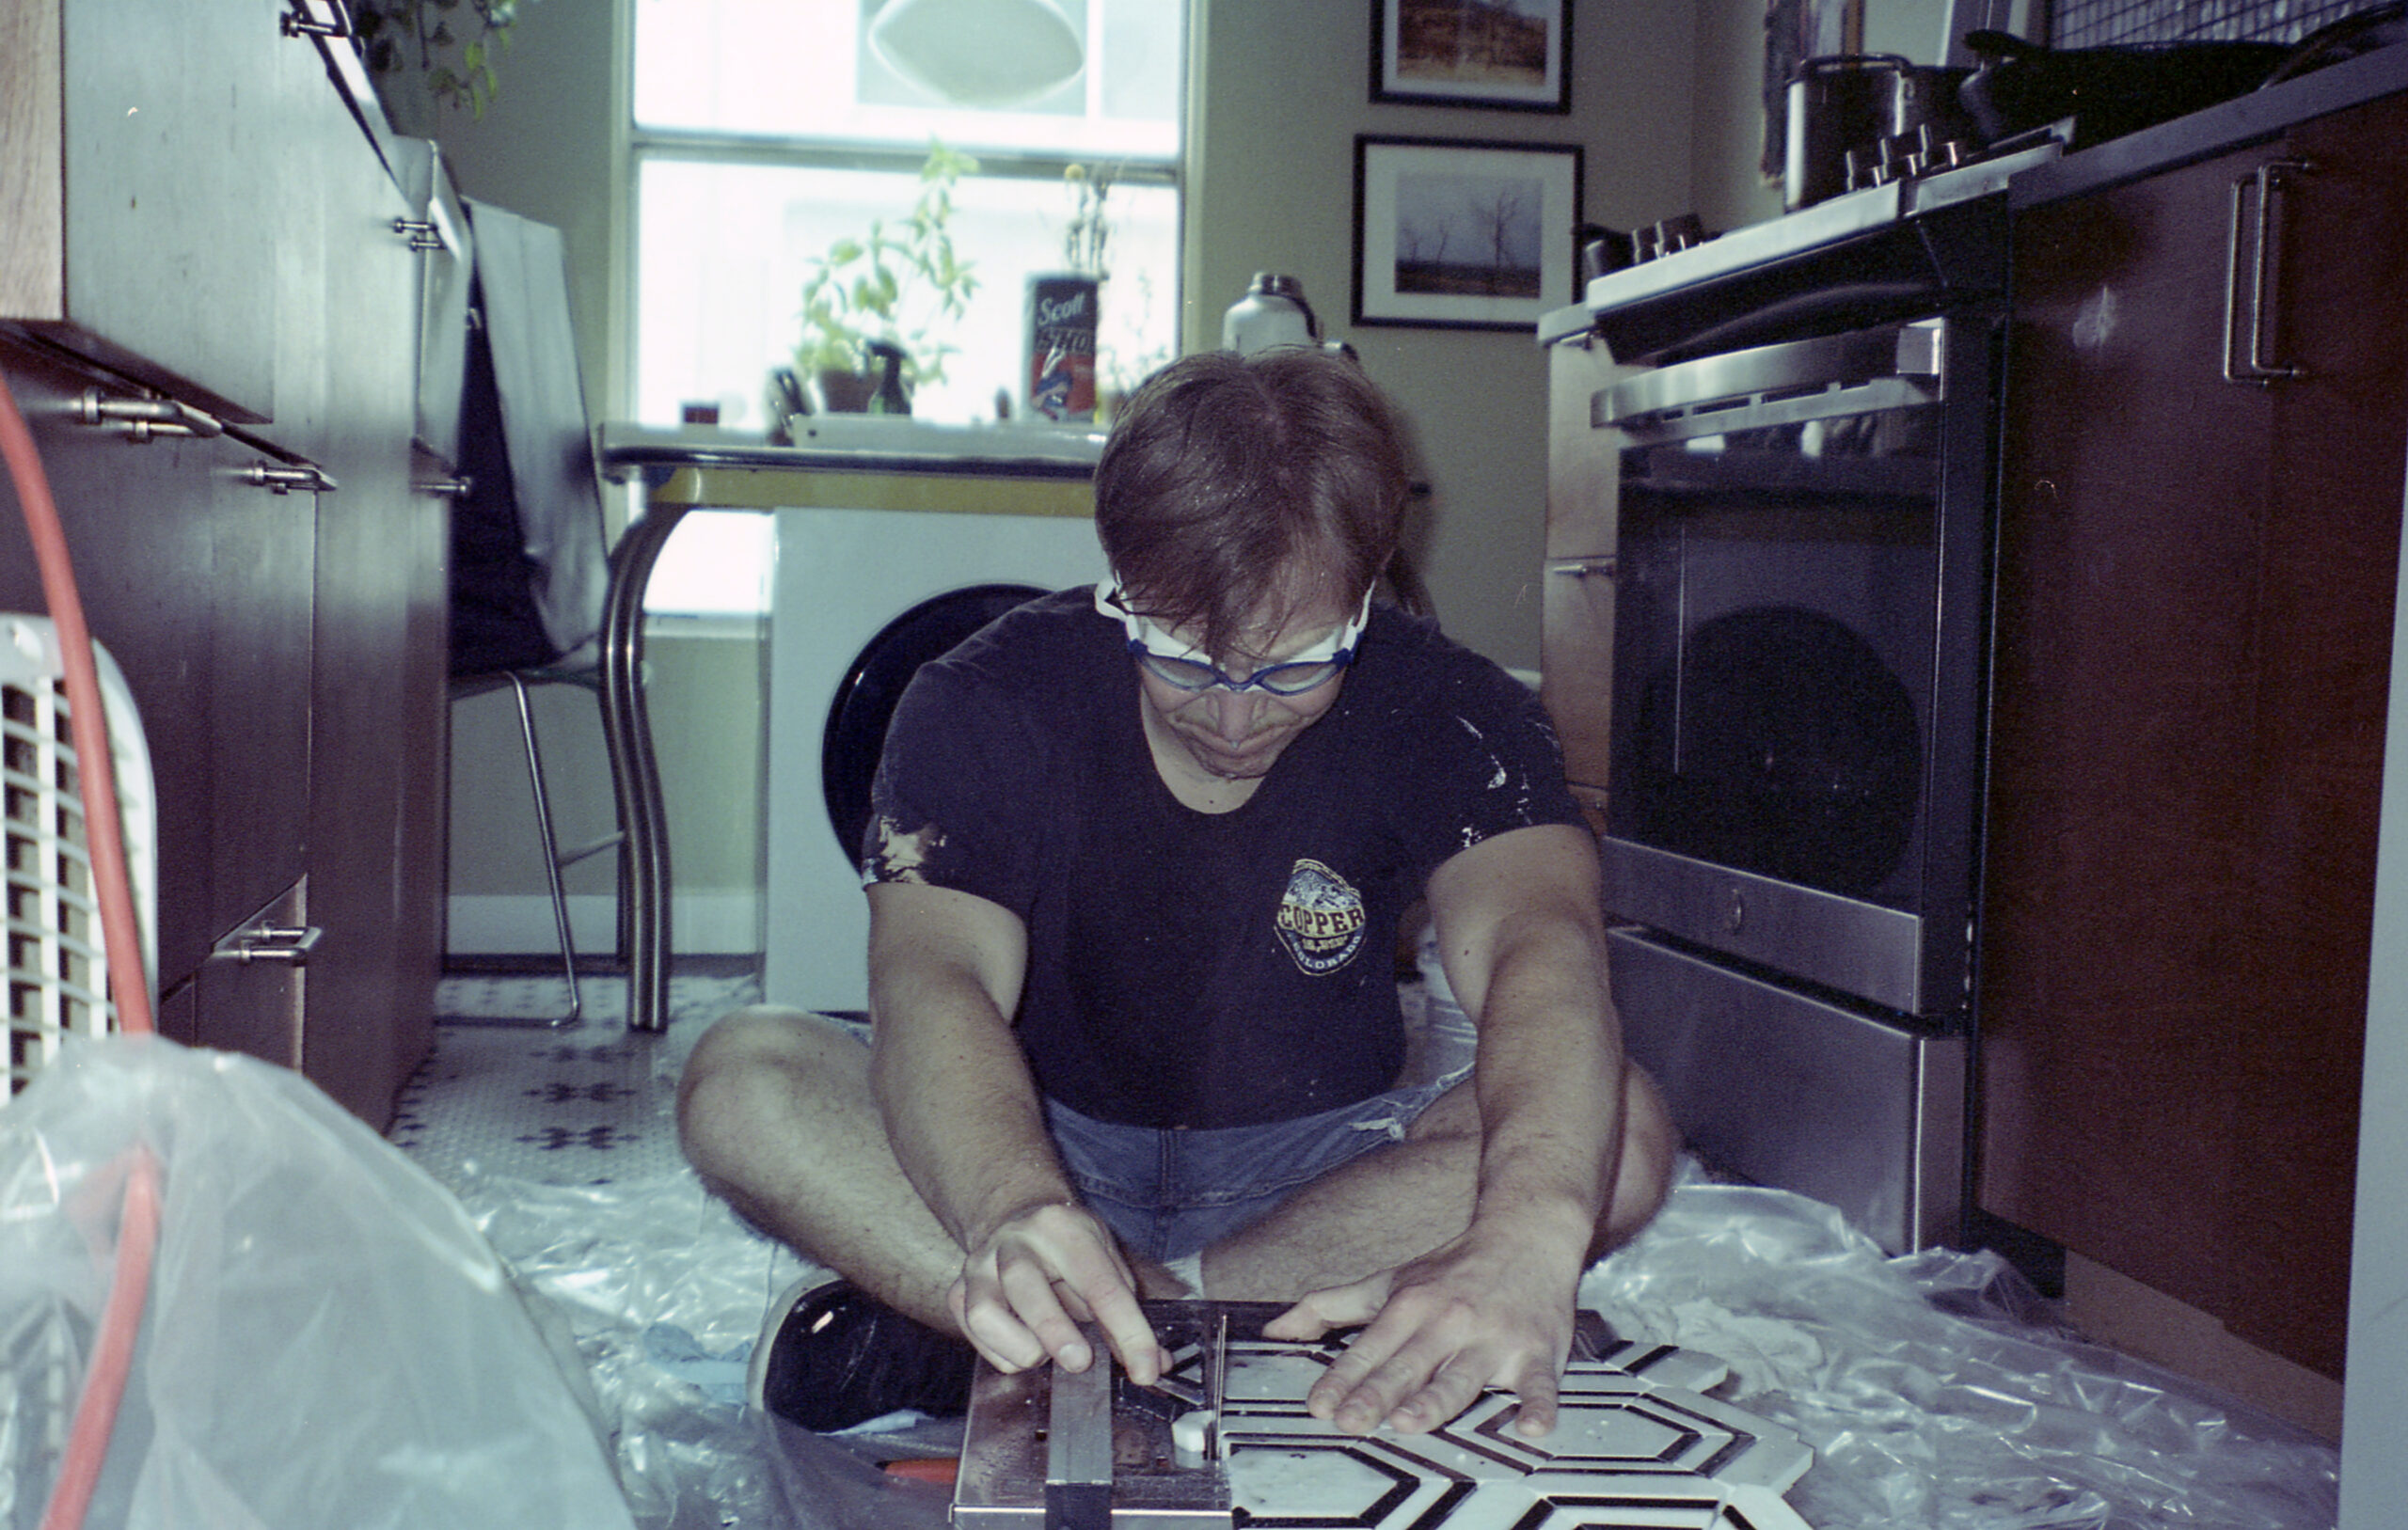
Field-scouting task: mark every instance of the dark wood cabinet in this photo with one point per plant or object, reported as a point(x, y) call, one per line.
point(274, 591)
point(142, 138)
point(200, 583)
point(2195, 584)
point(374, 818)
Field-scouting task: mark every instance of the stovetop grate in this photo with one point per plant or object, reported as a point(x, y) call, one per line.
point(2086, 23)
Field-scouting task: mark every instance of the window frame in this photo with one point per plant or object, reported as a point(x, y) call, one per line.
point(645, 146)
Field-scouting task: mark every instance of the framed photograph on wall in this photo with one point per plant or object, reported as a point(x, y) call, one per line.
point(1513, 55)
point(1452, 233)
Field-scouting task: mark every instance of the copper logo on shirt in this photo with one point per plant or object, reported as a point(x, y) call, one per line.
point(1320, 919)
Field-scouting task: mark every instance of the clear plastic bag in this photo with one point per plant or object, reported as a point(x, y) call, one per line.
point(1936, 1388)
point(327, 1339)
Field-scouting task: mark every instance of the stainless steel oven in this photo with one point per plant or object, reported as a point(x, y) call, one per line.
point(1797, 623)
point(1790, 826)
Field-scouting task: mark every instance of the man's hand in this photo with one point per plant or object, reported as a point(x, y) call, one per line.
point(1029, 1282)
point(1470, 1315)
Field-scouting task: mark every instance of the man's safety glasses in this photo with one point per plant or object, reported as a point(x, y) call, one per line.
point(1183, 667)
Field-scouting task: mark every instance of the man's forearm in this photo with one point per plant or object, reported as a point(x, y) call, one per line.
point(1549, 1082)
point(962, 1114)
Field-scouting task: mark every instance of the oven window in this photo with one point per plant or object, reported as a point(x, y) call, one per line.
point(1775, 639)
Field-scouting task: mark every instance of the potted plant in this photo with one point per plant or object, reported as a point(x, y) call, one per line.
point(894, 293)
point(447, 46)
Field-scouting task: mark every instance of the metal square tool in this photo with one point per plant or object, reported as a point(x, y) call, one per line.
point(1224, 1440)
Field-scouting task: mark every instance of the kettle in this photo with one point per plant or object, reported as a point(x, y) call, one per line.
point(1272, 312)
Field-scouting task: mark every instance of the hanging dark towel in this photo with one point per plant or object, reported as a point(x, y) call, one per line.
point(529, 559)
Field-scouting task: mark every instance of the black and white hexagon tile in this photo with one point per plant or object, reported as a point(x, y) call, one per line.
point(1636, 1446)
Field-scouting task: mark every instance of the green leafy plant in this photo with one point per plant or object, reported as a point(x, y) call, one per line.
point(902, 282)
point(453, 43)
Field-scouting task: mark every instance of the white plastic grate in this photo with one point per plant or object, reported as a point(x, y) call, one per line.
point(56, 956)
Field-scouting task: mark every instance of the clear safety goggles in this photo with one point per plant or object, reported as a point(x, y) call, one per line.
point(1184, 667)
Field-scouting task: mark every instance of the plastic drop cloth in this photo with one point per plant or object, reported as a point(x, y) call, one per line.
point(1938, 1391)
point(1935, 1389)
point(328, 1340)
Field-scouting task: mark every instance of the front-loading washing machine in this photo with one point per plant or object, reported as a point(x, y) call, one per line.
point(862, 597)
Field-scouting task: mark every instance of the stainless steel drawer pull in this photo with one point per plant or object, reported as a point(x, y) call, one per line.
point(294, 25)
point(2265, 270)
point(1585, 568)
point(144, 418)
point(287, 943)
point(446, 488)
point(302, 480)
point(421, 235)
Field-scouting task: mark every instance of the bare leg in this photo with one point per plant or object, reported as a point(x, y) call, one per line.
point(776, 1116)
point(775, 1113)
point(1401, 1200)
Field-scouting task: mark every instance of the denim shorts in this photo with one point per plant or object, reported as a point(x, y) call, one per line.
point(1168, 1195)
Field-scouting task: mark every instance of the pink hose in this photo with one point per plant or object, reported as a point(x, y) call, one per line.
point(112, 1363)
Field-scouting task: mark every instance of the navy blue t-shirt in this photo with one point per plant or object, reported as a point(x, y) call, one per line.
point(1185, 968)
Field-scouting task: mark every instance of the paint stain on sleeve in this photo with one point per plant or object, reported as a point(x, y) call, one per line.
point(902, 857)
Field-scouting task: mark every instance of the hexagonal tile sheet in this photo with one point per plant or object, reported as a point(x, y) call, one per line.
point(1636, 1446)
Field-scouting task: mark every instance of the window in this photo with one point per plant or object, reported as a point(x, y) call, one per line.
point(766, 130)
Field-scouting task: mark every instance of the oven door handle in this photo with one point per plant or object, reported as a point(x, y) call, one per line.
point(1832, 374)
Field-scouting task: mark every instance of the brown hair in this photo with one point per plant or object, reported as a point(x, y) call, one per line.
point(1226, 475)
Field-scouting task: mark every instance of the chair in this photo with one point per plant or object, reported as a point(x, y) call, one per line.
point(529, 565)
point(57, 973)
point(522, 683)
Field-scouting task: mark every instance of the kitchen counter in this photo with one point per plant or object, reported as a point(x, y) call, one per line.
point(2244, 119)
point(853, 443)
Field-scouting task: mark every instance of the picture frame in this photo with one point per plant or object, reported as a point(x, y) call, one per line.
point(1500, 55)
point(1457, 233)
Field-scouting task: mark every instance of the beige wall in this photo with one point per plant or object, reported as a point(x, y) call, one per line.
point(550, 148)
point(707, 715)
point(1664, 102)
point(1283, 91)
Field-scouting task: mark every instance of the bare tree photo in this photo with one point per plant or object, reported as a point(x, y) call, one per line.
point(1469, 234)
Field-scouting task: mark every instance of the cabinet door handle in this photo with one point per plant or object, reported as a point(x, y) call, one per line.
point(296, 24)
point(2263, 299)
point(287, 943)
point(302, 480)
point(144, 418)
point(419, 234)
point(1586, 568)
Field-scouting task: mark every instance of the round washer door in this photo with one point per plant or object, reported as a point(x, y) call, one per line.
point(865, 702)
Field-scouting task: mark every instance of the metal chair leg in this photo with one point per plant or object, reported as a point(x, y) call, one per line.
point(554, 864)
point(635, 772)
point(551, 849)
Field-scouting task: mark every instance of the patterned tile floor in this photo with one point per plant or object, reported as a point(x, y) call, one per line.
point(589, 1104)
